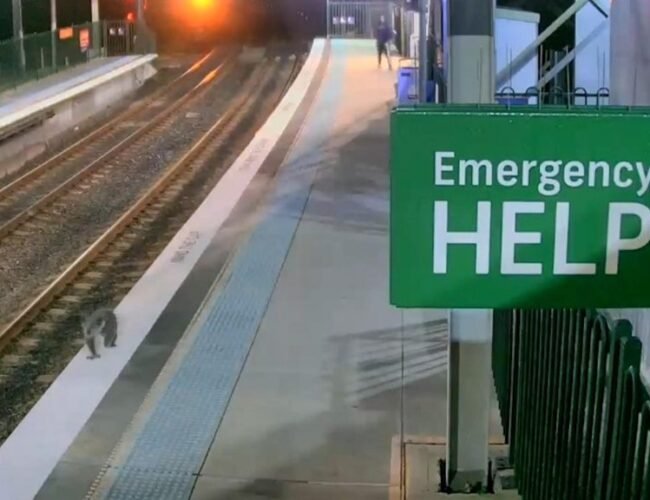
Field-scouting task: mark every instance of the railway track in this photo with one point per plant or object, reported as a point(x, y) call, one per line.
point(40, 340)
point(44, 228)
point(95, 154)
point(119, 126)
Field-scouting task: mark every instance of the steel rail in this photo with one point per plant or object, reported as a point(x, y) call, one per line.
point(117, 149)
point(88, 139)
point(50, 293)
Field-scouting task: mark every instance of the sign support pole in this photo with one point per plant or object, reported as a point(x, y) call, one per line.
point(471, 80)
point(468, 407)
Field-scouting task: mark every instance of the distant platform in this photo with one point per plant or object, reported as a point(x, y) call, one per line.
point(37, 112)
point(36, 96)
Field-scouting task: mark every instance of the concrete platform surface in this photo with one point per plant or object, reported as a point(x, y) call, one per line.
point(12, 100)
point(297, 378)
point(335, 372)
point(36, 115)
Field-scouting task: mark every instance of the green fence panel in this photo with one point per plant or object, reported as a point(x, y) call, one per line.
point(500, 354)
point(38, 55)
point(536, 403)
point(578, 404)
point(523, 395)
point(631, 436)
point(565, 349)
point(640, 454)
point(542, 337)
point(624, 409)
point(574, 410)
point(552, 396)
point(514, 382)
point(620, 334)
point(598, 339)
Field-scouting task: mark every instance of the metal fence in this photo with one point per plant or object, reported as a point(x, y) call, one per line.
point(574, 409)
point(39, 55)
point(357, 19)
point(555, 96)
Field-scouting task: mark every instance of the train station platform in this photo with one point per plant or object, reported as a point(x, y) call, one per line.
point(35, 113)
point(277, 369)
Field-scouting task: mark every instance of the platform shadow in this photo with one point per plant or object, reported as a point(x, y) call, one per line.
point(347, 175)
point(345, 451)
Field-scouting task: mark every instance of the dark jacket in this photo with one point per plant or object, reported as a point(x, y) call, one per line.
point(383, 34)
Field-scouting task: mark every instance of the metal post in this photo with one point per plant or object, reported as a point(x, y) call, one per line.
point(94, 11)
point(422, 51)
point(17, 10)
point(471, 80)
point(53, 17)
point(140, 10)
point(471, 51)
point(329, 19)
point(468, 407)
point(53, 29)
point(551, 73)
point(96, 28)
point(144, 37)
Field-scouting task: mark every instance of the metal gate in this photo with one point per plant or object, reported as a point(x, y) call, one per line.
point(357, 19)
point(119, 38)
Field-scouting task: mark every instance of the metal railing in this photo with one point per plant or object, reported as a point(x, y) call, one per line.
point(579, 96)
point(346, 19)
point(574, 410)
point(42, 54)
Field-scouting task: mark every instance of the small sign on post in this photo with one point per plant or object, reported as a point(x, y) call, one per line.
point(66, 33)
point(494, 207)
point(84, 39)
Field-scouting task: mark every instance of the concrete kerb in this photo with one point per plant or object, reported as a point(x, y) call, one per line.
point(68, 109)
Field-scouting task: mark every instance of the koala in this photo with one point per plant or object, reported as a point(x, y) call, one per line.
point(102, 322)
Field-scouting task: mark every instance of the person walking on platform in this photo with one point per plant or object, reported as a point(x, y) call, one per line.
point(383, 36)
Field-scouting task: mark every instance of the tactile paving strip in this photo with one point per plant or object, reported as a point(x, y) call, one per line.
point(169, 451)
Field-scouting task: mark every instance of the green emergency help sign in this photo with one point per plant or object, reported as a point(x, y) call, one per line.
point(516, 208)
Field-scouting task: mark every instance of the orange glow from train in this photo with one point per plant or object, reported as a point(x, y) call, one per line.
point(202, 5)
point(200, 14)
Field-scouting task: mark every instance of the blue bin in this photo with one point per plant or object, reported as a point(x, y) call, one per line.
point(407, 85)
